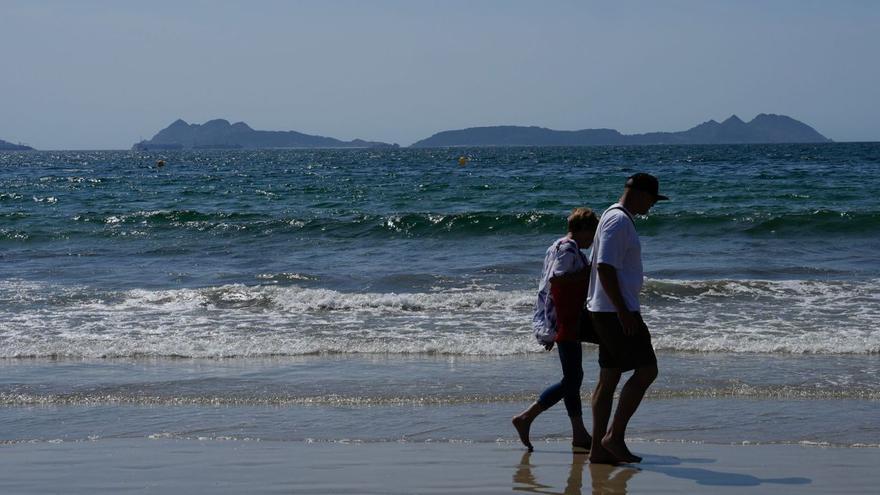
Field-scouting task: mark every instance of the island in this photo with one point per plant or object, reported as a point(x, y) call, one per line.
point(7, 146)
point(765, 128)
point(220, 134)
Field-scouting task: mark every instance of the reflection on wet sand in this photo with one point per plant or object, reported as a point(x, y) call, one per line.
point(608, 479)
point(605, 479)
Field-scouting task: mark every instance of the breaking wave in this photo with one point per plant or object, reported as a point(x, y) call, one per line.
point(745, 316)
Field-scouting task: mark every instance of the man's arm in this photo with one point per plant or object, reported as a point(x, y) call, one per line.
point(608, 278)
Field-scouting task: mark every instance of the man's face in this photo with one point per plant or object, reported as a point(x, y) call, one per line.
point(645, 201)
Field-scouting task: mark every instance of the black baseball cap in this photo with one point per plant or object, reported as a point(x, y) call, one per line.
point(647, 183)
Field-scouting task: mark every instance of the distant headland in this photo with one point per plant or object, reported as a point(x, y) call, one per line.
point(7, 146)
point(220, 134)
point(765, 128)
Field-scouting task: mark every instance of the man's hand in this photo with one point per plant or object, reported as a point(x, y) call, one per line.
point(630, 322)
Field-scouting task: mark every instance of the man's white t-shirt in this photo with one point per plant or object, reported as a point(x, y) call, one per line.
point(616, 244)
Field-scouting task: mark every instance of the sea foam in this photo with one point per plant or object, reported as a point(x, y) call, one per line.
point(42, 320)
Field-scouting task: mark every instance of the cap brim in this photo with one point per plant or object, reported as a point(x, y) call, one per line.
point(661, 197)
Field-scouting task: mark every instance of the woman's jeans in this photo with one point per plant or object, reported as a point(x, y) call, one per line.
point(569, 388)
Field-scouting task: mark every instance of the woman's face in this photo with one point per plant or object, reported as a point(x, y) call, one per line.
point(584, 238)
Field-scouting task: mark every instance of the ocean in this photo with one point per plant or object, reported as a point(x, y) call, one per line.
point(386, 295)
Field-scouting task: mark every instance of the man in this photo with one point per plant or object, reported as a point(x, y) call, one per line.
point(613, 299)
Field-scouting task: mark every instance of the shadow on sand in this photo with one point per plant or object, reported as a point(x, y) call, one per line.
point(607, 479)
point(669, 465)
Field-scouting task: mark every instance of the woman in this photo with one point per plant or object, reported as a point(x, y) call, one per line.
point(561, 295)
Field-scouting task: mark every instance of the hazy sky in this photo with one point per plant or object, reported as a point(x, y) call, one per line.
point(104, 74)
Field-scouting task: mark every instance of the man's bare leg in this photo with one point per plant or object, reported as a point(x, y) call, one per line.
point(630, 397)
point(523, 422)
point(603, 399)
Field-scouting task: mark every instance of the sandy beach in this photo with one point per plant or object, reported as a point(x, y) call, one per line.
point(177, 466)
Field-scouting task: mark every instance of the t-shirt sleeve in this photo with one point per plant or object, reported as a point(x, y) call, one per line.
point(613, 239)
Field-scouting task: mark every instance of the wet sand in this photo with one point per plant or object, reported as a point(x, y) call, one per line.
point(190, 466)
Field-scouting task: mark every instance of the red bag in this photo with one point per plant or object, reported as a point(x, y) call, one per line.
point(569, 296)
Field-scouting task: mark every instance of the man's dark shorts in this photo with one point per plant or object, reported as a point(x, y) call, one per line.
point(616, 350)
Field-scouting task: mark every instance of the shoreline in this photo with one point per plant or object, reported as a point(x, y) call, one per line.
point(784, 401)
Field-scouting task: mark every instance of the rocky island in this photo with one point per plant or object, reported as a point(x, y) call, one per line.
point(7, 146)
point(220, 134)
point(765, 128)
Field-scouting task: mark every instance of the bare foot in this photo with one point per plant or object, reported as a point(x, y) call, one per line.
point(631, 455)
point(522, 426)
point(581, 445)
point(599, 455)
point(618, 450)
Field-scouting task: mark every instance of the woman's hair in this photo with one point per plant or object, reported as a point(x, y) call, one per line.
point(582, 219)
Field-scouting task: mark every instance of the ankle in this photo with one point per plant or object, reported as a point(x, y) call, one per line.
point(523, 417)
point(612, 437)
